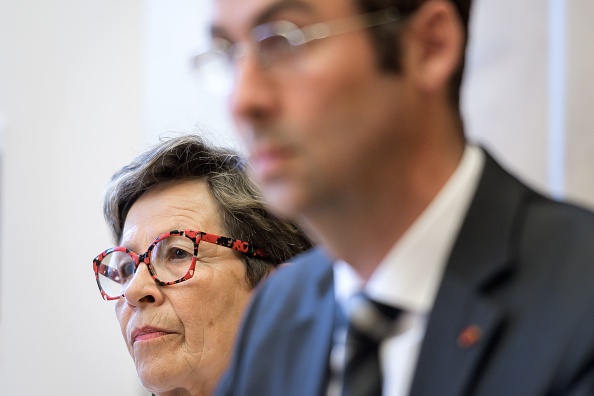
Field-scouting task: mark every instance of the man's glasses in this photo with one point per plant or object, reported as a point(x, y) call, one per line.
point(170, 259)
point(276, 46)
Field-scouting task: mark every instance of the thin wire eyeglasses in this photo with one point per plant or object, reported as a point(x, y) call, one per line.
point(170, 259)
point(276, 45)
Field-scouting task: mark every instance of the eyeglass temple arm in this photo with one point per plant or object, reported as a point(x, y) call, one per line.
point(348, 24)
point(235, 244)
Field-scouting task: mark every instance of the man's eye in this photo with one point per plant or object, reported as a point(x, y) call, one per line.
point(277, 45)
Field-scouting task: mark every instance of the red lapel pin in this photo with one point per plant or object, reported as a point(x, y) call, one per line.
point(470, 336)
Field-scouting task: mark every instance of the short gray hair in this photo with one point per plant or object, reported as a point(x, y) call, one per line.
point(243, 211)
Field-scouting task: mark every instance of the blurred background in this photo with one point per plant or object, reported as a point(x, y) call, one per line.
point(87, 85)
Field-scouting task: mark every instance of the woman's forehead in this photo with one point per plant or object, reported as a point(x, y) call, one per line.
point(175, 206)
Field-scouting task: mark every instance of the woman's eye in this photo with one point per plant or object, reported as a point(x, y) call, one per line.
point(179, 254)
point(126, 270)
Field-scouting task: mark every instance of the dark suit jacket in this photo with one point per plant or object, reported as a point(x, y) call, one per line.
point(521, 270)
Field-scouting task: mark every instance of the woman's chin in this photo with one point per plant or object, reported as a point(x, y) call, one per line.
point(155, 380)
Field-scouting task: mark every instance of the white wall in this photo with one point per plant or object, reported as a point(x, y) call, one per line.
point(529, 91)
point(85, 85)
point(175, 31)
point(71, 76)
point(505, 95)
point(580, 101)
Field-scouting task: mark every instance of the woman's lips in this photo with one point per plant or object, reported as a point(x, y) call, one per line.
point(147, 333)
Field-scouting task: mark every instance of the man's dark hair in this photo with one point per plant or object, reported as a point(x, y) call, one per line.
point(386, 40)
point(241, 207)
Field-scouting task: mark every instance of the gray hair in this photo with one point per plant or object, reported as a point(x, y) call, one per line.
point(242, 209)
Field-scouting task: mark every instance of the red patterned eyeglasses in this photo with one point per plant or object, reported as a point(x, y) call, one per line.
point(170, 259)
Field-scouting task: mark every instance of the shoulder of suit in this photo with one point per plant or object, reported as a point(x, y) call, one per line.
point(309, 265)
point(558, 216)
point(304, 274)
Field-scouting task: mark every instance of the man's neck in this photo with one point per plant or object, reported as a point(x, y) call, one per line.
point(363, 224)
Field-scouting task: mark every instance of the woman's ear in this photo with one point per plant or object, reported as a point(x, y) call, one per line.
point(433, 45)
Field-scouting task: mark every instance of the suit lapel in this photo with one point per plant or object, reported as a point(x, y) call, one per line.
point(464, 321)
point(312, 325)
point(455, 341)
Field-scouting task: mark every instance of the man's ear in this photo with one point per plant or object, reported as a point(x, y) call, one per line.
point(433, 45)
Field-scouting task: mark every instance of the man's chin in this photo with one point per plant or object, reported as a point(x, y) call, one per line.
point(283, 199)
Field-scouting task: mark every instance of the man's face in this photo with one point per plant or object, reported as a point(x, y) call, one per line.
point(315, 129)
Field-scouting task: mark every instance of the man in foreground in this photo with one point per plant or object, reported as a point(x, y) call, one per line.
point(470, 282)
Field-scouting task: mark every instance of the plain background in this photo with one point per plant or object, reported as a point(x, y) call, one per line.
point(86, 85)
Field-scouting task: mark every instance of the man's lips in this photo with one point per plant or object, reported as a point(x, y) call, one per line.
point(266, 162)
point(147, 333)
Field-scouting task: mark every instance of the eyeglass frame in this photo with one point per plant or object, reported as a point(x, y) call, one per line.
point(296, 36)
point(196, 237)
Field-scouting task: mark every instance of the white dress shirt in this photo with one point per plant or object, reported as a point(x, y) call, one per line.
point(410, 274)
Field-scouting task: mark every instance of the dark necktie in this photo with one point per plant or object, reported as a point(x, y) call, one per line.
point(369, 323)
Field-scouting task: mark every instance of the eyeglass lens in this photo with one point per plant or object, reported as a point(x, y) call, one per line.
point(276, 50)
point(272, 48)
point(170, 258)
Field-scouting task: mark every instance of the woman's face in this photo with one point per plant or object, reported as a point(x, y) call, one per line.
point(180, 336)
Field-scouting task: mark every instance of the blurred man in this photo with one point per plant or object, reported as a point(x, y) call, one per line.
point(470, 282)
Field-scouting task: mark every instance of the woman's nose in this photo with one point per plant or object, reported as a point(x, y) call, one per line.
point(142, 288)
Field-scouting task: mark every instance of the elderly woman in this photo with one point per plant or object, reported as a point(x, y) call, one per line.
point(194, 238)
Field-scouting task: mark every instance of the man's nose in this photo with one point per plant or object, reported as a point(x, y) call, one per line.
point(254, 94)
